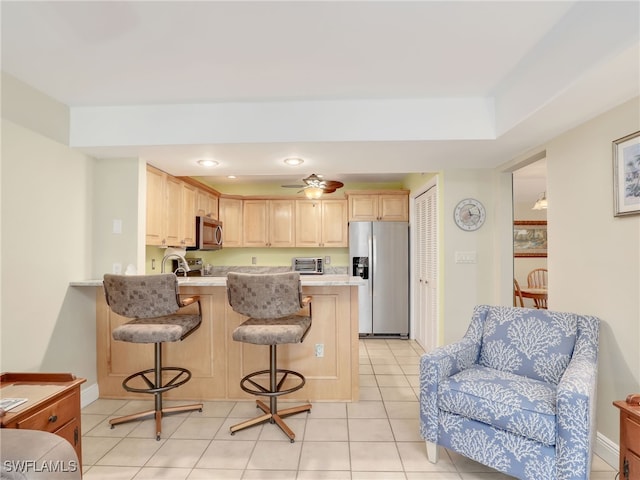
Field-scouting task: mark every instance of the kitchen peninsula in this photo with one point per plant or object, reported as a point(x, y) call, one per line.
point(217, 363)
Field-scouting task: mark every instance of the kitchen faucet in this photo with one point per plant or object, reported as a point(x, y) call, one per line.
point(182, 263)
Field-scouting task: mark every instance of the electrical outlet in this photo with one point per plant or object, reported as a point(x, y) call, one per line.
point(327, 260)
point(117, 269)
point(319, 349)
point(117, 226)
point(254, 260)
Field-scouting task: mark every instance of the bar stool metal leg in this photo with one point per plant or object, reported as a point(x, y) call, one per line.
point(271, 412)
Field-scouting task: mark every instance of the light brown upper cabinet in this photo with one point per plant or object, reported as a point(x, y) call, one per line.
point(268, 223)
point(188, 215)
point(207, 204)
point(321, 223)
point(390, 206)
point(171, 210)
point(164, 209)
point(156, 224)
point(231, 218)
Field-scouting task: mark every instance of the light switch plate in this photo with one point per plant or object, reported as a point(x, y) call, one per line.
point(465, 257)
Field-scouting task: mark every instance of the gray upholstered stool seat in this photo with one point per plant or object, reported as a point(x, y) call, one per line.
point(289, 329)
point(170, 328)
point(152, 302)
point(273, 303)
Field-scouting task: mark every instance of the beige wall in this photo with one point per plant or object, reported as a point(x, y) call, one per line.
point(466, 285)
point(594, 257)
point(57, 211)
point(46, 243)
point(115, 185)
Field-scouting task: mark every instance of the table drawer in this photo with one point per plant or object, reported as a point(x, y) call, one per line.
point(53, 416)
point(631, 432)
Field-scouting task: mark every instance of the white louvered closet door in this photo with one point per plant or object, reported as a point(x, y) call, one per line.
point(426, 208)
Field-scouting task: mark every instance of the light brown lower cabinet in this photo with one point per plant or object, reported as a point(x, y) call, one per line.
point(629, 440)
point(217, 363)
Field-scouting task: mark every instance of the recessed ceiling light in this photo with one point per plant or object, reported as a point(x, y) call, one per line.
point(293, 161)
point(231, 176)
point(206, 162)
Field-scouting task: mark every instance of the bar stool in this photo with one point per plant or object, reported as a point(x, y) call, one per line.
point(272, 301)
point(152, 302)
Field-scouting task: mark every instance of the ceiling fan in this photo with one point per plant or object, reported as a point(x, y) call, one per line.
point(314, 186)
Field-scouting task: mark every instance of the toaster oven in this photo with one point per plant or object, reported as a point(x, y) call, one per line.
point(308, 266)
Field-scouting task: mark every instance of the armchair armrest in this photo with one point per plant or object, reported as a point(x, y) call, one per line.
point(435, 366)
point(576, 404)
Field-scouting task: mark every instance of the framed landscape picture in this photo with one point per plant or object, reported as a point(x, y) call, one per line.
point(530, 238)
point(626, 175)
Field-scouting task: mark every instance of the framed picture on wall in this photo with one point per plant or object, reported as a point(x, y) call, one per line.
point(530, 238)
point(626, 175)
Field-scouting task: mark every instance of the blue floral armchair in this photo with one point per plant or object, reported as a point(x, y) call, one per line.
point(516, 393)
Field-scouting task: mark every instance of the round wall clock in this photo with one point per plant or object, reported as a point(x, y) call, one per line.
point(469, 214)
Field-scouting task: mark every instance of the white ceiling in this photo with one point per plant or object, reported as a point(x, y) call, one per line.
point(540, 67)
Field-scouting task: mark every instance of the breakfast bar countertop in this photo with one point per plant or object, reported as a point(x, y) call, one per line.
point(307, 281)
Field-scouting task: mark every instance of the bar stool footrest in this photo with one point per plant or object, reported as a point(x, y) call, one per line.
point(261, 391)
point(173, 383)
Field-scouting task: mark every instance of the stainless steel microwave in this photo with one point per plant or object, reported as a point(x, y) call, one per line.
point(208, 234)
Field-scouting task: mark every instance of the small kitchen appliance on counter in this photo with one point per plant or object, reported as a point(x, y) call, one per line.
point(195, 267)
point(307, 265)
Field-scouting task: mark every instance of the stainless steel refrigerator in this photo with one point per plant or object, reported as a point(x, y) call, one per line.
point(379, 253)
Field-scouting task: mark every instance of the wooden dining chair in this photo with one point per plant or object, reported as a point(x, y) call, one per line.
point(517, 294)
point(537, 278)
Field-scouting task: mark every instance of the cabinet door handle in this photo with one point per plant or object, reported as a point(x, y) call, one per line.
point(76, 437)
point(53, 418)
point(625, 469)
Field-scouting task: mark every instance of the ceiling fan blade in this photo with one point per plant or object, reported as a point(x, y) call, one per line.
point(332, 185)
point(316, 181)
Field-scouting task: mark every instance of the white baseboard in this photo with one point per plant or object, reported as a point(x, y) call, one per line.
point(89, 395)
point(607, 450)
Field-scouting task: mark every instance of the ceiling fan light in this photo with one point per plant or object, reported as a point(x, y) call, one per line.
point(313, 193)
point(293, 161)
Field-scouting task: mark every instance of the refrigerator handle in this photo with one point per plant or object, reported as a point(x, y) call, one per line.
point(372, 261)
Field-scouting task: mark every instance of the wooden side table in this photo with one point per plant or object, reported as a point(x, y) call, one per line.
point(53, 404)
point(629, 440)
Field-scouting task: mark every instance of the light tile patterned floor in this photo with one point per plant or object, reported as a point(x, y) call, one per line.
point(374, 439)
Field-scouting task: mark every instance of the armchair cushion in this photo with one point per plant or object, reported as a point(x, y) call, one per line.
point(514, 403)
point(537, 345)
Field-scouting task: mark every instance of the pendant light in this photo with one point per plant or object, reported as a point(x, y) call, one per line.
point(541, 203)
